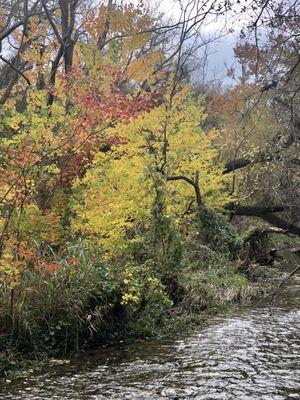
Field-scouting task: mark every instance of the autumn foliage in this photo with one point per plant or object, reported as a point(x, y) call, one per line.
point(111, 166)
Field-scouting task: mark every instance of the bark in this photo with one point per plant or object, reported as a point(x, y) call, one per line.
point(280, 223)
point(102, 39)
point(65, 38)
point(236, 164)
point(254, 211)
point(239, 163)
point(267, 214)
point(194, 183)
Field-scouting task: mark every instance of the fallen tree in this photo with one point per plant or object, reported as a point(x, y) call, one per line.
point(242, 162)
point(265, 213)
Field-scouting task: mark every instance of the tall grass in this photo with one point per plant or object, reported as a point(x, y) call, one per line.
point(57, 311)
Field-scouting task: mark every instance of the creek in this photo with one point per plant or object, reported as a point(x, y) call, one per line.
point(253, 354)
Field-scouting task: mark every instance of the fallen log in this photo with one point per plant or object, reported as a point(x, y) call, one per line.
point(267, 214)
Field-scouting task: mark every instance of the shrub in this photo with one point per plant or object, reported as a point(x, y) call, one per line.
point(56, 311)
point(217, 233)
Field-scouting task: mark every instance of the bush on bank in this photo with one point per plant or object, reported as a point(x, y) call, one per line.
point(82, 300)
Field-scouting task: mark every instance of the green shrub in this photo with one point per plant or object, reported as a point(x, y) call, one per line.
point(217, 233)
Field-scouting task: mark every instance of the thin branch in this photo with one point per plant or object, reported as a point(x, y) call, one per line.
point(15, 69)
point(181, 178)
point(283, 282)
point(49, 17)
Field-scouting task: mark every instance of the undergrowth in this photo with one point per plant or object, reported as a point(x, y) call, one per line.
point(162, 279)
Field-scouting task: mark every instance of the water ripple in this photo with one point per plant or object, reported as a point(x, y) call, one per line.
point(246, 357)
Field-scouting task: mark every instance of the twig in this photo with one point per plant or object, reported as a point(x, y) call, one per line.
point(282, 283)
point(275, 292)
point(15, 69)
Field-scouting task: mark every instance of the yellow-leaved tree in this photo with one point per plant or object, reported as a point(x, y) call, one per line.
point(164, 147)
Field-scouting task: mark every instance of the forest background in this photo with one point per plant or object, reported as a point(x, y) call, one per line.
point(124, 169)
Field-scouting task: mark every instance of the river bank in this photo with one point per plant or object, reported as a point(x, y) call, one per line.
point(221, 295)
point(249, 354)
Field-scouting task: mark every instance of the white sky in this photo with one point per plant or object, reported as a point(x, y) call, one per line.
point(220, 53)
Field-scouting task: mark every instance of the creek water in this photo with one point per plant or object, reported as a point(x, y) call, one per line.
point(254, 354)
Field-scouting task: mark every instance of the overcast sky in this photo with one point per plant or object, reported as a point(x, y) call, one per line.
point(220, 53)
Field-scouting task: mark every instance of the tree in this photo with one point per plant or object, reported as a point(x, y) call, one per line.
point(156, 148)
point(262, 128)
